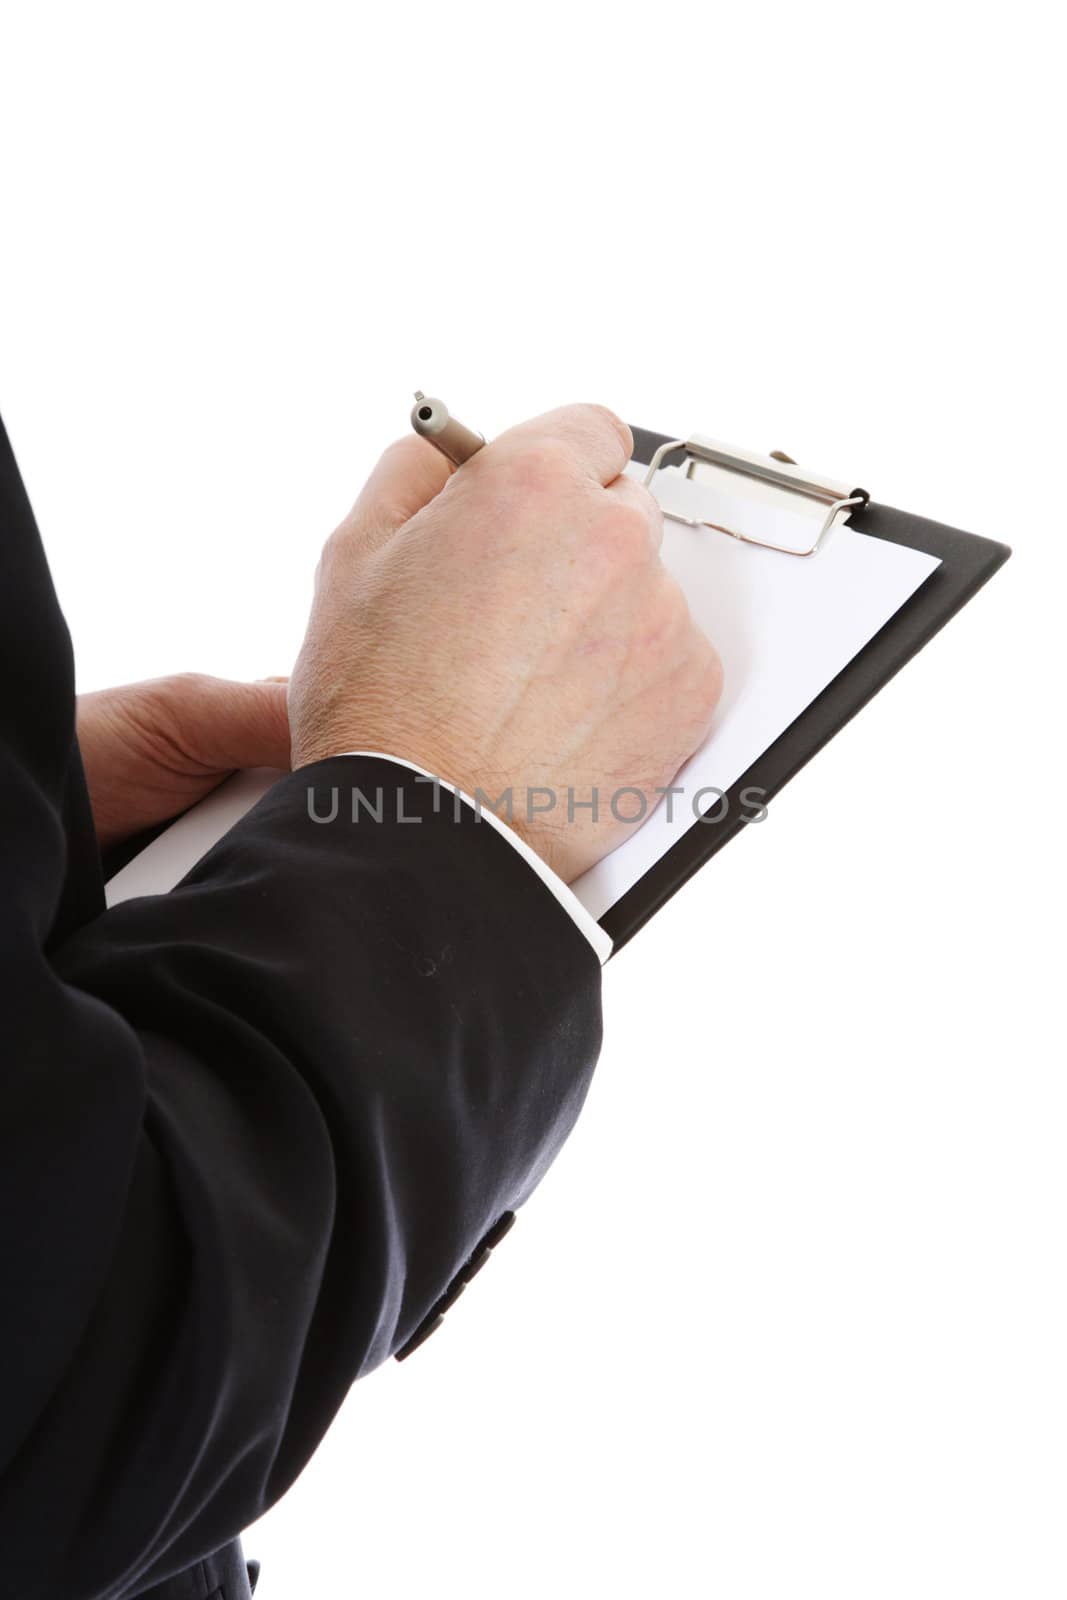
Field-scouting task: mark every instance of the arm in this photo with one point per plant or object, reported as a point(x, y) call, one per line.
point(296, 1094)
point(254, 1128)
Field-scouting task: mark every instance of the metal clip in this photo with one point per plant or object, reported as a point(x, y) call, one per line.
point(777, 469)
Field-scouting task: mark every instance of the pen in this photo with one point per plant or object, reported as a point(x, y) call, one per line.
point(430, 418)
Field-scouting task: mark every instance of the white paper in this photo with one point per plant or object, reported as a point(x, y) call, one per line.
point(784, 626)
point(167, 859)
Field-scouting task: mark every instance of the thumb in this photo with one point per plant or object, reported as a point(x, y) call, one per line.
point(241, 724)
point(409, 474)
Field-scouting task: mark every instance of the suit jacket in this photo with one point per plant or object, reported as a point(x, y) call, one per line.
point(253, 1133)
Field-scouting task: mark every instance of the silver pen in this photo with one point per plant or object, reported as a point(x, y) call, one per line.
point(431, 419)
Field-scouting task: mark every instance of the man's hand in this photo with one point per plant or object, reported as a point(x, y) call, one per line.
point(510, 627)
point(152, 749)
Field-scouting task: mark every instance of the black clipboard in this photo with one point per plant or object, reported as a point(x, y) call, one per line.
point(967, 562)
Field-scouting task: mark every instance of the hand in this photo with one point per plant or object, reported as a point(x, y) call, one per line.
point(510, 627)
point(151, 749)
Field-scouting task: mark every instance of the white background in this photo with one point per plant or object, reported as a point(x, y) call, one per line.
point(788, 1317)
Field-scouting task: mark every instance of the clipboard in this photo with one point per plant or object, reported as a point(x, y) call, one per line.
point(967, 561)
point(957, 564)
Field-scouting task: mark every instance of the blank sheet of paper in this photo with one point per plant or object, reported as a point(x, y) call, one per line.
point(784, 626)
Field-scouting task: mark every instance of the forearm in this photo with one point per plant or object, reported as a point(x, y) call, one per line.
point(345, 1051)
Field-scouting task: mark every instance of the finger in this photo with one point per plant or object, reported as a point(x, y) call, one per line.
point(407, 477)
point(598, 439)
point(630, 492)
point(234, 725)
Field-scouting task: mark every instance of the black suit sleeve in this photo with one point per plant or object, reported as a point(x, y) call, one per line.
point(251, 1131)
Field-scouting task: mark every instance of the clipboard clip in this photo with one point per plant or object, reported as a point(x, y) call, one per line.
point(776, 469)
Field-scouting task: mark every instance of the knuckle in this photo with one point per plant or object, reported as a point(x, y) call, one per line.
point(626, 527)
point(402, 448)
point(620, 532)
point(335, 558)
point(600, 418)
point(400, 458)
point(340, 545)
point(164, 704)
point(181, 687)
point(328, 555)
point(554, 457)
point(650, 506)
point(545, 466)
point(671, 608)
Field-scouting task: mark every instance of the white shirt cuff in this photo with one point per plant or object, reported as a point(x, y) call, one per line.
point(582, 919)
